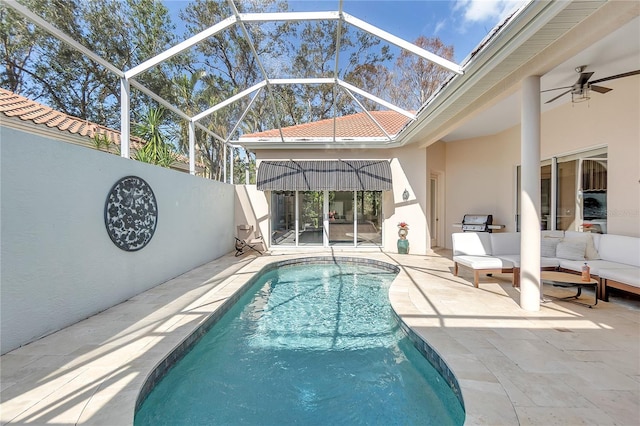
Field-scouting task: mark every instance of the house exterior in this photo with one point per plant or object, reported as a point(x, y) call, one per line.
point(466, 151)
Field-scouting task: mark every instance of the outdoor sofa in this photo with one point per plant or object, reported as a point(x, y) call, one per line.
point(614, 260)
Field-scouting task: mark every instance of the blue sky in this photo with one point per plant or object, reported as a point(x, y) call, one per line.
point(461, 23)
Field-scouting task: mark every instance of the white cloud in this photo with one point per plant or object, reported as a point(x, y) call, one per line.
point(486, 10)
point(439, 26)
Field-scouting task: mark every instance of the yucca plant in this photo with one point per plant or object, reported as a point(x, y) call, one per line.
point(155, 149)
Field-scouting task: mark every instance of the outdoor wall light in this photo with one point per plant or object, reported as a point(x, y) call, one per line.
point(405, 195)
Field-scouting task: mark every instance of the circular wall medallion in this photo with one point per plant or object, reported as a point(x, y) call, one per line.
point(131, 213)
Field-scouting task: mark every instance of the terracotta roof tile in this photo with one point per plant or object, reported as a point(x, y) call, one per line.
point(14, 105)
point(351, 126)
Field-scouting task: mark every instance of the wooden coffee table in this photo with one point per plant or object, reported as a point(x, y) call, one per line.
point(564, 279)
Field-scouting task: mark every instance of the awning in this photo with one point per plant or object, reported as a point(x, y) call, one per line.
point(341, 175)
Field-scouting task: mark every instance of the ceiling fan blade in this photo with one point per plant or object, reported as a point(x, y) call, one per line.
point(584, 77)
point(557, 88)
point(613, 77)
point(599, 89)
point(559, 96)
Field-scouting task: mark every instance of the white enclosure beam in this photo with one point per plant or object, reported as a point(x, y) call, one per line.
point(192, 148)
point(376, 99)
point(62, 36)
point(213, 30)
point(224, 163)
point(403, 44)
point(260, 65)
point(213, 134)
point(366, 112)
point(319, 80)
point(336, 72)
point(158, 99)
point(246, 167)
point(125, 117)
point(229, 101)
point(288, 16)
point(231, 165)
point(244, 114)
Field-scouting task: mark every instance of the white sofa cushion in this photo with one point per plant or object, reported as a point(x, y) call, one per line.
point(545, 262)
point(572, 249)
point(548, 246)
point(591, 253)
point(505, 243)
point(620, 249)
point(594, 265)
point(482, 262)
point(629, 276)
point(471, 243)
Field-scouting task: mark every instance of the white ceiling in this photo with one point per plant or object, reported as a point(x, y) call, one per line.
point(617, 53)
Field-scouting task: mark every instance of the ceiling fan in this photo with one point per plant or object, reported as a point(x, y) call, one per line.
point(580, 89)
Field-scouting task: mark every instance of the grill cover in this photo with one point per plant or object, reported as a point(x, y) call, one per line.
point(341, 175)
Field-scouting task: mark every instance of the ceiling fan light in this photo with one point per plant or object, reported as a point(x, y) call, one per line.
point(580, 95)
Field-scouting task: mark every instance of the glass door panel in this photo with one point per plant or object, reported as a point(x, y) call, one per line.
point(567, 195)
point(545, 197)
point(341, 218)
point(283, 216)
point(310, 217)
point(369, 217)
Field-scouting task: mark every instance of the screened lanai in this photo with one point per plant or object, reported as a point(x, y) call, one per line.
point(354, 52)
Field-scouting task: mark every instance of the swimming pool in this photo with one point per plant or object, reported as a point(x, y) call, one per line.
point(306, 344)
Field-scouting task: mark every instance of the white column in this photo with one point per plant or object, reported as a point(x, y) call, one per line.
point(192, 147)
point(530, 285)
point(246, 167)
point(231, 165)
point(224, 163)
point(125, 117)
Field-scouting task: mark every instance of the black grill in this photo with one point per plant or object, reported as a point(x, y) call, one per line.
point(477, 222)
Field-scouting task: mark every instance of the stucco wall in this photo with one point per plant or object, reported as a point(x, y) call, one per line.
point(408, 172)
point(480, 172)
point(58, 264)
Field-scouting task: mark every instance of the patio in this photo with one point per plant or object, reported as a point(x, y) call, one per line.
point(565, 364)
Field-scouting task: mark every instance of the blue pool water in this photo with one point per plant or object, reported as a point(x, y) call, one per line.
point(307, 344)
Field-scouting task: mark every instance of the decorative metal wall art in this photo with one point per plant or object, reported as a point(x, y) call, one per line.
point(131, 213)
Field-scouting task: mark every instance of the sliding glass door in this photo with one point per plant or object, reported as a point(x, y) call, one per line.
point(573, 194)
point(319, 218)
point(311, 222)
point(341, 218)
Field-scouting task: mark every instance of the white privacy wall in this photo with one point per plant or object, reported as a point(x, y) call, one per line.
point(58, 264)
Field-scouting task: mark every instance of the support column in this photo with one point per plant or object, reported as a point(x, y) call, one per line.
point(224, 163)
point(231, 165)
point(246, 166)
point(125, 117)
point(530, 285)
point(192, 148)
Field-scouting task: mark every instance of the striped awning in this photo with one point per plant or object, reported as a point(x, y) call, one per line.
point(341, 175)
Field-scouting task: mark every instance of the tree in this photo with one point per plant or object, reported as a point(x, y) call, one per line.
point(416, 78)
point(125, 33)
point(156, 149)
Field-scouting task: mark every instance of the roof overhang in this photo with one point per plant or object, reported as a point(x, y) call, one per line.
point(542, 37)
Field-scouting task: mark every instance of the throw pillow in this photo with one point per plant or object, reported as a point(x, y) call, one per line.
point(571, 249)
point(548, 246)
point(591, 253)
